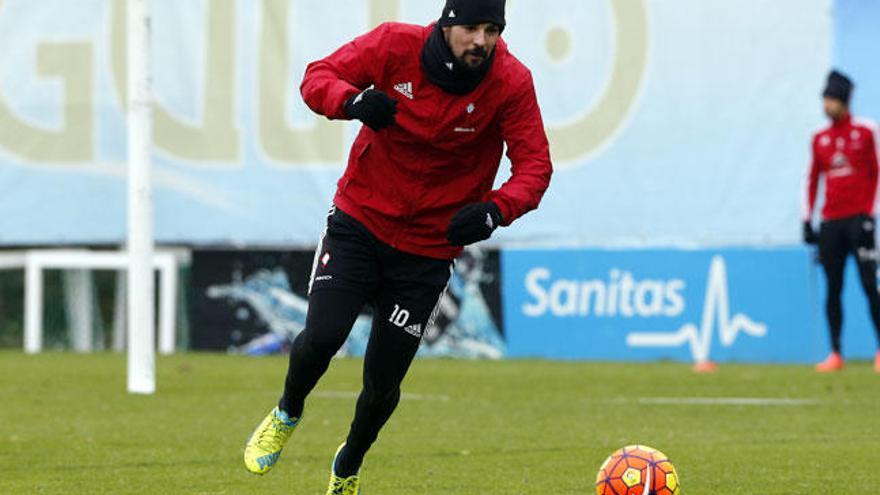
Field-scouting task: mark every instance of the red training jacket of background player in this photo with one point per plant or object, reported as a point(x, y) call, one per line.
point(405, 182)
point(845, 153)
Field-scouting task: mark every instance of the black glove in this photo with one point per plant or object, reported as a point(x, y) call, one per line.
point(372, 107)
point(810, 236)
point(474, 222)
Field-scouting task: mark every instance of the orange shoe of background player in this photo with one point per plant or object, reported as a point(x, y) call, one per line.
point(834, 362)
point(705, 367)
point(877, 362)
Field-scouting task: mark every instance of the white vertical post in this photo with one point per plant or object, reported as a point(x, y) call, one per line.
point(141, 311)
point(119, 312)
point(79, 300)
point(167, 303)
point(33, 306)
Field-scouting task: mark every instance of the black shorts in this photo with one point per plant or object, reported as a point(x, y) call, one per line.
point(839, 238)
point(404, 289)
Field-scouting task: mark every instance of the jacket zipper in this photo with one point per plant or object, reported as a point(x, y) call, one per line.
point(419, 175)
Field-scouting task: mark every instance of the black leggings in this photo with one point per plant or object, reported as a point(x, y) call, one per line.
point(389, 354)
point(837, 239)
point(352, 268)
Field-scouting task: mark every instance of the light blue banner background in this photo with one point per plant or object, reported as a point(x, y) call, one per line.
point(710, 151)
point(744, 305)
point(855, 38)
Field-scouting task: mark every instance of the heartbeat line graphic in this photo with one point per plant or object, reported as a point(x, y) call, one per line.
point(716, 309)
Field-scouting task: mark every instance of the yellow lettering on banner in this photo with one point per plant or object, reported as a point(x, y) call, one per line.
point(119, 49)
point(216, 138)
point(383, 11)
point(74, 141)
point(599, 126)
point(323, 142)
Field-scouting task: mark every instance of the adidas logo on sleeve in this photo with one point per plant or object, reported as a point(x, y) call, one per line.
point(406, 89)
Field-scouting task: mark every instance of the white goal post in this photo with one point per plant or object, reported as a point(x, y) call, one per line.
point(166, 261)
point(141, 317)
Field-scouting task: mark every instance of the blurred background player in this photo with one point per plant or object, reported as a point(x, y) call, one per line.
point(438, 104)
point(845, 155)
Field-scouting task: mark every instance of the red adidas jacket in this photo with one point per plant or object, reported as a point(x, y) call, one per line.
point(405, 182)
point(846, 153)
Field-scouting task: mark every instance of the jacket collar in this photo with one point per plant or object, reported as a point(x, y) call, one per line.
point(842, 123)
point(436, 56)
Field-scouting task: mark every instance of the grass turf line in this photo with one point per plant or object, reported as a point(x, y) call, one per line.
point(510, 427)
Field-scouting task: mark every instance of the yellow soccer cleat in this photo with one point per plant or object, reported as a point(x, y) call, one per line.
point(342, 486)
point(264, 446)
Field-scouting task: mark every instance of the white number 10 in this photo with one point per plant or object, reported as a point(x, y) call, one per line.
point(399, 316)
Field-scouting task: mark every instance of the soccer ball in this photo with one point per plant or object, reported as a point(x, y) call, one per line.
point(637, 470)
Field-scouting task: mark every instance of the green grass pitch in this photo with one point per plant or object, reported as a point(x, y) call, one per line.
point(511, 427)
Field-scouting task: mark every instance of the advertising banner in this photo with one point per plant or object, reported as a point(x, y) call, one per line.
point(729, 305)
point(855, 29)
point(255, 302)
point(698, 111)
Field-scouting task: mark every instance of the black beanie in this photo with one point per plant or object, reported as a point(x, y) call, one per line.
point(839, 87)
point(472, 12)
